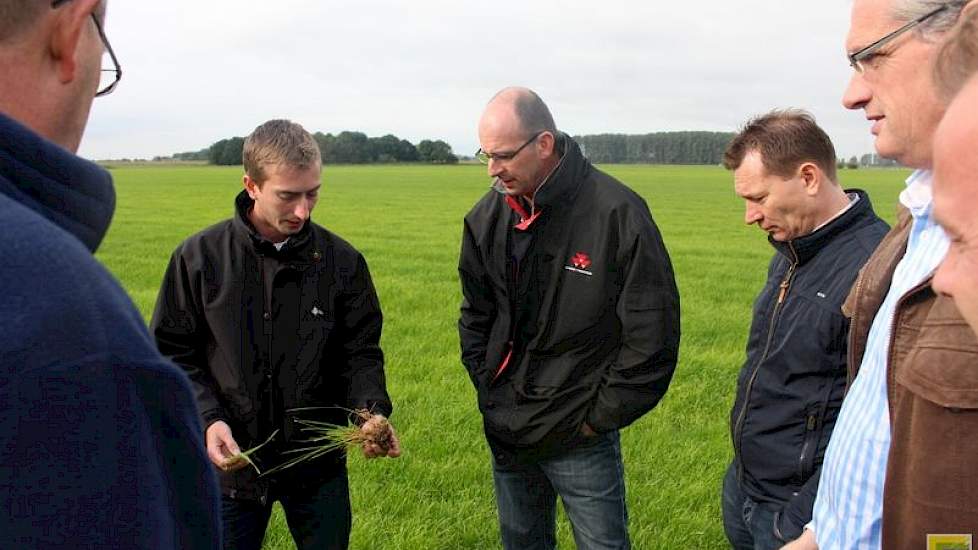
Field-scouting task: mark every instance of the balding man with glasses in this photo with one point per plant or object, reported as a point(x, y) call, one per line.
point(899, 471)
point(100, 444)
point(569, 326)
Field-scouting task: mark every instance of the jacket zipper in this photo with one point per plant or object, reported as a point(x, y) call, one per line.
point(267, 329)
point(782, 293)
point(810, 424)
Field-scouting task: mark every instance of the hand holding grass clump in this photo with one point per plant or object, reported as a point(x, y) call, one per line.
point(373, 434)
point(377, 437)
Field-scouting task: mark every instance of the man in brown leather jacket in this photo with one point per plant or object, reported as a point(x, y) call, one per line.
point(899, 470)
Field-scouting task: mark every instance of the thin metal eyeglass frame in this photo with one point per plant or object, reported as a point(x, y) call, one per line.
point(108, 47)
point(856, 58)
point(485, 157)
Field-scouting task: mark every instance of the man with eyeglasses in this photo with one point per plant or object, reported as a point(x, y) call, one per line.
point(892, 470)
point(100, 444)
point(569, 326)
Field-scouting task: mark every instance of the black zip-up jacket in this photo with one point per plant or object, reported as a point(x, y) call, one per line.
point(589, 311)
point(262, 331)
point(791, 386)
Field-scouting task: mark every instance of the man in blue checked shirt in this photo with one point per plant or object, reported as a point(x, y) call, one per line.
point(899, 471)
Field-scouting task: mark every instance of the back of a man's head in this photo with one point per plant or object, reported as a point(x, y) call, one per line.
point(784, 139)
point(50, 59)
point(279, 142)
point(17, 17)
point(957, 59)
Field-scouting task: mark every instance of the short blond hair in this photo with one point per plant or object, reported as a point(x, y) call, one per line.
point(279, 142)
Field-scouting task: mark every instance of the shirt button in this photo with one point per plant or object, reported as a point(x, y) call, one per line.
point(267, 316)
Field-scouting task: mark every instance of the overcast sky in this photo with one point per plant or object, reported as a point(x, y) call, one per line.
point(196, 72)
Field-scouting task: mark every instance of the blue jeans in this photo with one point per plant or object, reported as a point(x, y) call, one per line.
point(318, 518)
point(591, 483)
point(749, 524)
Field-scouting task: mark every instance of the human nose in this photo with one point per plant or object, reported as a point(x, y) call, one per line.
point(752, 214)
point(857, 93)
point(494, 167)
point(303, 209)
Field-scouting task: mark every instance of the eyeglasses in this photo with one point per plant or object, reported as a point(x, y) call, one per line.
point(117, 69)
point(485, 157)
point(858, 60)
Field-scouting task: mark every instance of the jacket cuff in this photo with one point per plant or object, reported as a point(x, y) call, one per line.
point(212, 416)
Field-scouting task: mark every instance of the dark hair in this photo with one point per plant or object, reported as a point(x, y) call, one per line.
point(957, 60)
point(785, 139)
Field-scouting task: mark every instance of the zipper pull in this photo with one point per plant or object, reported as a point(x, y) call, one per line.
point(783, 291)
point(811, 422)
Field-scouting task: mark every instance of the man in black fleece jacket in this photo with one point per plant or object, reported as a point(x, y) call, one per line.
point(569, 325)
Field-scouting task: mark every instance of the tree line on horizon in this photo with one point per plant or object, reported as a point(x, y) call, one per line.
point(348, 147)
point(343, 148)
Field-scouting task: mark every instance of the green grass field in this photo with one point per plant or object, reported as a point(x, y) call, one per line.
point(407, 222)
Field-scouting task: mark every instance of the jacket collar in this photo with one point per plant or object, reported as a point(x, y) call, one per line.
point(805, 248)
point(296, 245)
point(564, 182)
point(71, 192)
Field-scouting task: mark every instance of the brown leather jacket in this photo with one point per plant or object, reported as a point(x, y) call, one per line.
point(932, 381)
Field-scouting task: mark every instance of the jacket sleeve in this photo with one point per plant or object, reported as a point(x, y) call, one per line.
point(361, 321)
point(478, 311)
point(648, 310)
point(180, 331)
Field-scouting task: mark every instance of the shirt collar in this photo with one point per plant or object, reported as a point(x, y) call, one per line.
point(917, 196)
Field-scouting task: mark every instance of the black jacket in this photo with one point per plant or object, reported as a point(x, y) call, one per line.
point(790, 388)
point(590, 311)
point(261, 332)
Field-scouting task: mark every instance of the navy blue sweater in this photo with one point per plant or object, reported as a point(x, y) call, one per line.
point(100, 442)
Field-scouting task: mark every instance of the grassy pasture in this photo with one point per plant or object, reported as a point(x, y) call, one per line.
point(406, 221)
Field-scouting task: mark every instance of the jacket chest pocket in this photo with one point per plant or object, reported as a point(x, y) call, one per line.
point(935, 429)
point(942, 366)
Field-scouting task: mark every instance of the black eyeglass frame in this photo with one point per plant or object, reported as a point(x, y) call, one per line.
point(856, 58)
point(485, 157)
point(108, 47)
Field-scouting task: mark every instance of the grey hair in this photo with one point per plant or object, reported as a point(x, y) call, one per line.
point(957, 59)
point(17, 16)
point(533, 114)
point(934, 27)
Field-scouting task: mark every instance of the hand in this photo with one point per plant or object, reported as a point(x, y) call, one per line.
point(221, 447)
point(378, 426)
point(805, 542)
point(587, 430)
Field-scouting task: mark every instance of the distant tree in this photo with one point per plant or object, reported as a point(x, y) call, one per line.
point(351, 148)
point(437, 152)
point(659, 148)
point(216, 151)
point(853, 163)
point(407, 152)
point(231, 155)
point(226, 152)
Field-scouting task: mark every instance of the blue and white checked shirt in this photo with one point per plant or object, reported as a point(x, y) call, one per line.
point(849, 506)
